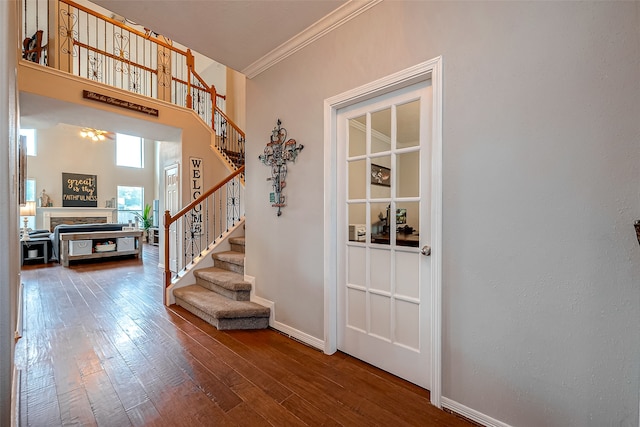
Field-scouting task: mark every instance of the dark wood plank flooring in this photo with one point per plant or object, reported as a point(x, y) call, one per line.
point(100, 348)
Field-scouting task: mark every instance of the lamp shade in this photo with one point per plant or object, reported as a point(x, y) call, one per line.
point(29, 209)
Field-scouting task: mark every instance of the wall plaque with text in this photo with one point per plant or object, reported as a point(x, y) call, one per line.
point(106, 99)
point(79, 190)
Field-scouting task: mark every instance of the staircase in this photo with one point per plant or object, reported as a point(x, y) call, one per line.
point(221, 296)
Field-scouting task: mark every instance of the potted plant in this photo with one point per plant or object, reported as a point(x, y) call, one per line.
point(146, 219)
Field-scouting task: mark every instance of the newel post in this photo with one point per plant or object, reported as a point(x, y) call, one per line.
point(214, 99)
point(62, 33)
point(167, 269)
point(164, 73)
point(190, 64)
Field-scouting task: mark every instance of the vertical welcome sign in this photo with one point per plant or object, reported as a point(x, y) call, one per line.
point(195, 174)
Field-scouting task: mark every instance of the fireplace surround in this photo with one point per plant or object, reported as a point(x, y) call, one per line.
point(50, 217)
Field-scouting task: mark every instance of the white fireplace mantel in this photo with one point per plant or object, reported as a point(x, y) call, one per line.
point(47, 213)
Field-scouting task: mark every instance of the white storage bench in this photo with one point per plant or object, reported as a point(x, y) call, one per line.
point(77, 246)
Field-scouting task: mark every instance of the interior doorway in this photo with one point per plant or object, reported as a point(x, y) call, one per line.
point(383, 222)
point(384, 205)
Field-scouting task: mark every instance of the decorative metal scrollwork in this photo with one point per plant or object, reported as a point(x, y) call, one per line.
point(198, 103)
point(276, 155)
point(134, 81)
point(223, 134)
point(95, 68)
point(121, 49)
point(193, 244)
point(164, 68)
point(68, 33)
point(233, 202)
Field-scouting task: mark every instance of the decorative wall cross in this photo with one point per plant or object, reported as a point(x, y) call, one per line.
point(276, 155)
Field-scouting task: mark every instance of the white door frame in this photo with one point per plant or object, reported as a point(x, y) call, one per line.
point(176, 166)
point(429, 70)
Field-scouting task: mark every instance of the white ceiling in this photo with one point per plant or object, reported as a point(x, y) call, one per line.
point(235, 33)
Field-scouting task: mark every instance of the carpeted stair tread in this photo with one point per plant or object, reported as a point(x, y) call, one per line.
point(224, 278)
point(237, 240)
point(232, 257)
point(218, 306)
point(237, 244)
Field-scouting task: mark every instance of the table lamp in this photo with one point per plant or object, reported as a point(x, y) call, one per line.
point(29, 209)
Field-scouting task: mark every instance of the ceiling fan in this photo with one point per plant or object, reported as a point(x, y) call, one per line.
point(96, 134)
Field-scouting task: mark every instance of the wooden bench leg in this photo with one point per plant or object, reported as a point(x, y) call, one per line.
point(64, 253)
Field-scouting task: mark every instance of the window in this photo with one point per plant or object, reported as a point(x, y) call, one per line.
point(129, 151)
point(31, 141)
point(30, 190)
point(130, 203)
point(30, 196)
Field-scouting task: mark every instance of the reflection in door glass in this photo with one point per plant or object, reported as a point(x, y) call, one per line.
point(381, 131)
point(380, 223)
point(357, 136)
point(380, 177)
point(408, 123)
point(357, 179)
point(407, 224)
point(357, 222)
point(408, 174)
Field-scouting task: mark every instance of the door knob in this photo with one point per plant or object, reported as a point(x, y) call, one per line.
point(426, 250)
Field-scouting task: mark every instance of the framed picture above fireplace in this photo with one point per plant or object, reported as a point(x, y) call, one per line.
point(79, 190)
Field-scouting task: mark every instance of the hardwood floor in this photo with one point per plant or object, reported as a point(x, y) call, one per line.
point(100, 348)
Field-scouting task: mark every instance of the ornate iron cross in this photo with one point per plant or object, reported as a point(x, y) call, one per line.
point(276, 155)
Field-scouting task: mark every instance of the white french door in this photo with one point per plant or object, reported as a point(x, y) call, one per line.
point(384, 231)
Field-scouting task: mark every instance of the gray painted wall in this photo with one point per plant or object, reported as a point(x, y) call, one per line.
point(9, 261)
point(541, 170)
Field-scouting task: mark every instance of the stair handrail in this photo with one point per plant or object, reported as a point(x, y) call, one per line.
point(213, 94)
point(170, 219)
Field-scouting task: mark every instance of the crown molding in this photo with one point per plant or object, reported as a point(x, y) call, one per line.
point(343, 14)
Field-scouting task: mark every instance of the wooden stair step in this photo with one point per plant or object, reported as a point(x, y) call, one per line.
point(222, 312)
point(224, 282)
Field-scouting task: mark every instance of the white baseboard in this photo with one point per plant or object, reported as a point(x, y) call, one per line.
point(299, 335)
point(471, 414)
point(279, 326)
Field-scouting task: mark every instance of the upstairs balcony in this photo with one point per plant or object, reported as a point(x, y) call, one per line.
point(77, 39)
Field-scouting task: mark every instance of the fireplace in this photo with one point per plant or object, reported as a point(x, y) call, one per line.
point(50, 217)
